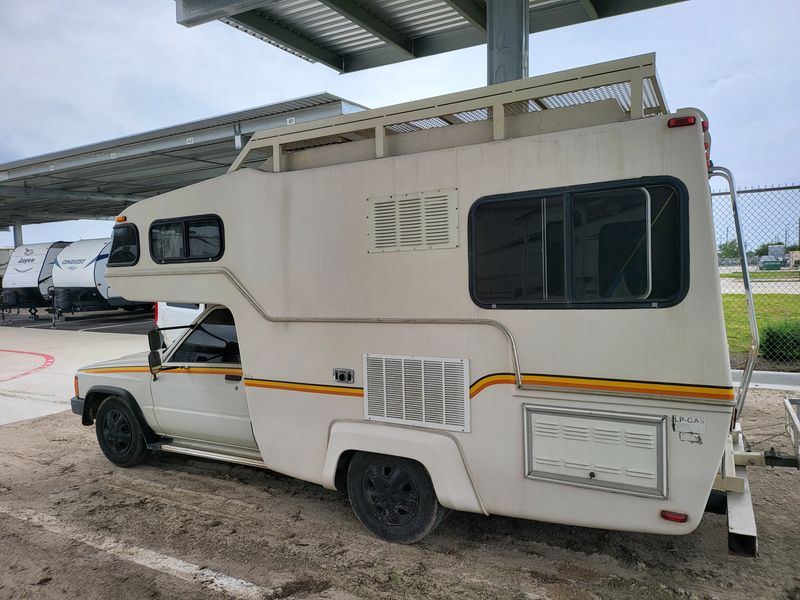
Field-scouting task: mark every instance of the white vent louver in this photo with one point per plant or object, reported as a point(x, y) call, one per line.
point(420, 221)
point(430, 392)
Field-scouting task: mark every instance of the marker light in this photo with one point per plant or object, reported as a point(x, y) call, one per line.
point(123, 218)
point(681, 121)
point(675, 517)
point(75, 385)
point(155, 314)
point(705, 126)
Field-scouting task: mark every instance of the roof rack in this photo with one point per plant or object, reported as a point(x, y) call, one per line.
point(631, 82)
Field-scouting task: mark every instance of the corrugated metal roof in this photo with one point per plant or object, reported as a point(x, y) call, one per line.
point(349, 35)
point(100, 179)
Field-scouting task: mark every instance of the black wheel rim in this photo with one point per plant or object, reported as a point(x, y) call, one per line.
point(390, 492)
point(117, 431)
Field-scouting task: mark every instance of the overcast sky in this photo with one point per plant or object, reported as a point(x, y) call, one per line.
point(90, 70)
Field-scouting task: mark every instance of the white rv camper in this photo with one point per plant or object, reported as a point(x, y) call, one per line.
point(29, 275)
point(5, 255)
point(503, 301)
point(79, 278)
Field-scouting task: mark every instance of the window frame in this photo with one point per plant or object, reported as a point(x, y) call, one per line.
point(190, 329)
point(567, 192)
point(138, 245)
point(185, 226)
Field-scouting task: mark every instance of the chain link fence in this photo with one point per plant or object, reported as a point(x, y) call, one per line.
point(770, 221)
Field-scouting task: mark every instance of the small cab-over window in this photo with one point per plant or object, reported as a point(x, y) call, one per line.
point(187, 239)
point(607, 245)
point(124, 245)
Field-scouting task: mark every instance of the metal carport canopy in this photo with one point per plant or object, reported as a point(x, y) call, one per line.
point(350, 35)
point(98, 181)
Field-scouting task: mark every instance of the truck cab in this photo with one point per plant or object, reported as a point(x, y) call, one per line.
point(196, 401)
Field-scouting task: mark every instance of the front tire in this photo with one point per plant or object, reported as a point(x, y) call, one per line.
point(119, 434)
point(393, 497)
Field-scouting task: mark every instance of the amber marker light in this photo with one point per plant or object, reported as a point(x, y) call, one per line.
point(121, 219)
point(75, 385)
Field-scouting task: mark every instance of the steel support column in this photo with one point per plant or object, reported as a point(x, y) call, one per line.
point(507, 40)
point(17, 228)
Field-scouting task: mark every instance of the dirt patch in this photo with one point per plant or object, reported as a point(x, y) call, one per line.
point(297, 540)
point(738, 361)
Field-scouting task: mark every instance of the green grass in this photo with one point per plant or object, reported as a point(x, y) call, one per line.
point(791, 275)
point(769, 309)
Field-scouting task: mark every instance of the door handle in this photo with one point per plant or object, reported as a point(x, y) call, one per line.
point(233, 377)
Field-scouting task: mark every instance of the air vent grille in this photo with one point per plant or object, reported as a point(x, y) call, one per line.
point(430, 392)
point(405, 222)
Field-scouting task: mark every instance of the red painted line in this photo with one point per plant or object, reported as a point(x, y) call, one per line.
point(48, 360)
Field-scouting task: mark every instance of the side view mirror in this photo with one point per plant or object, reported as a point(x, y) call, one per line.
point(154, 362)
point(156, 340)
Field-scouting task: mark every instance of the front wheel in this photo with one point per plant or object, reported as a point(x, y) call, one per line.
point(119, 434)
point(393, 497)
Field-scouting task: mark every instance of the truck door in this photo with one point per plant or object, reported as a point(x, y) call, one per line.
point(200, 395)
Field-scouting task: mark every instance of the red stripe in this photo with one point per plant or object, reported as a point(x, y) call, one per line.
point(48, 360)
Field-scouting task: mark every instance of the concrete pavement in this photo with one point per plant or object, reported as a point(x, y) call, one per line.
point(37, 366)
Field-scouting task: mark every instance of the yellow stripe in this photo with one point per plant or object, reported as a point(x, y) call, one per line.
point(607, 385)
point(545, 381)
point(179, 370)
point(305, 387)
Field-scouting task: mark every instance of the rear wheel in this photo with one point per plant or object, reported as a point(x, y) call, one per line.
point(393, 497)
point(119, 434)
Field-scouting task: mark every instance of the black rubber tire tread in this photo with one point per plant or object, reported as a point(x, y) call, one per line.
point(137, 450)
point(429, 512)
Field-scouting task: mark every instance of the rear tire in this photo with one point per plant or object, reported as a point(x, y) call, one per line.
point(393, 497)
point(119, 434)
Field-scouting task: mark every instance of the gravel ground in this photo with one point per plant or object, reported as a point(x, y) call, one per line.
point(293, 539)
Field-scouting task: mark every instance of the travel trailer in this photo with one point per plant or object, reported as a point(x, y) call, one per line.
point(502, 301)
point(79, 279)
point(5, 255)
point(29, 275)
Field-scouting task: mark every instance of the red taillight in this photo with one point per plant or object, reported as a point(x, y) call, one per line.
point(675, 517)
point(681, 121)
point(155, 314)
point(705, 126)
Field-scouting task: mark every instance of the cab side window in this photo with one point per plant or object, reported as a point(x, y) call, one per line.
point(213, 341)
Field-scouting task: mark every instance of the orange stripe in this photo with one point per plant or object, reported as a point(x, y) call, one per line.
point(193, 370)
point(635, 387)
point(605, 385)
point(305, 387)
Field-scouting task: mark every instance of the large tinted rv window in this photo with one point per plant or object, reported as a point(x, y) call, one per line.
point(124, 246)
point(213, 341)
point(592, 246)
point(189, 239)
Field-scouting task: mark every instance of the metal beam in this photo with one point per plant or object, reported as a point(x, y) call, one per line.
point(34, 193)
point(591, 11)
point(55, 216)
point(370, 22)
point(196, 12)
point(473, 11)
point(16, 225)
point(507, 40)
point(291, 40)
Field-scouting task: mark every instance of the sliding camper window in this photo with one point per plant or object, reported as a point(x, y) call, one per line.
point(124, 246)
point(188, 239)
point(623, 244)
